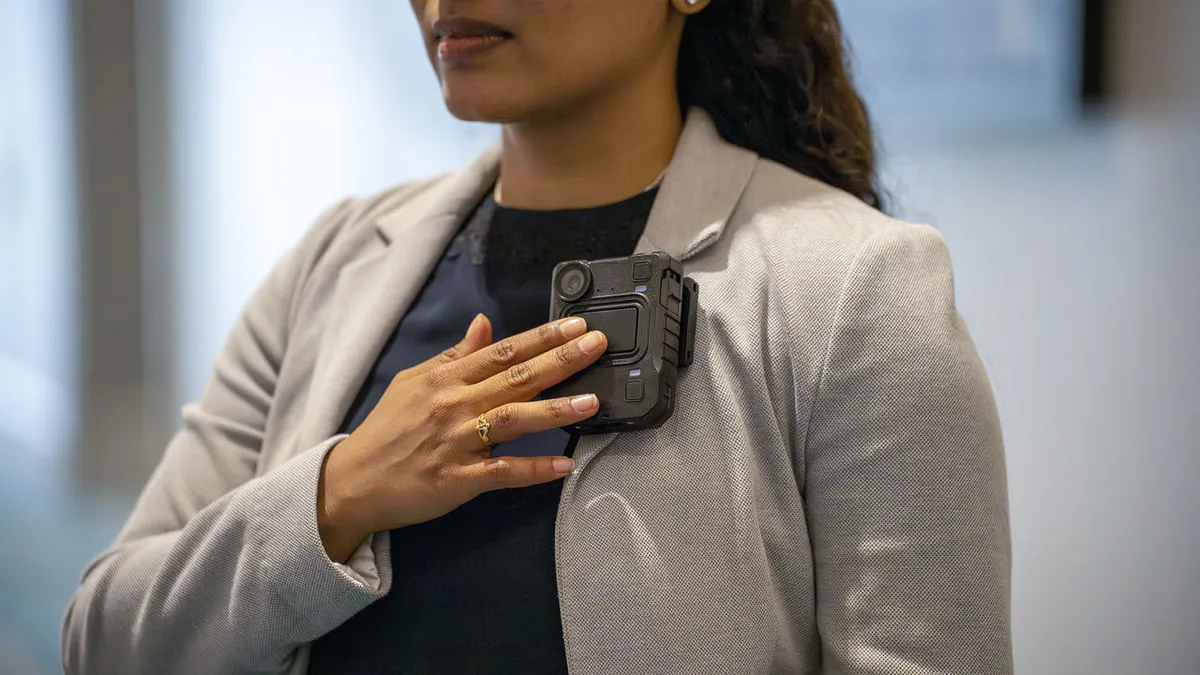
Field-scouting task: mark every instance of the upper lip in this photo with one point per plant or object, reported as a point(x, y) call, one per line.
point(461, 27)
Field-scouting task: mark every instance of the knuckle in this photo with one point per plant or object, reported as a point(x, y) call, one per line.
point(503, 352)
point(499, 472)
point(504, 416)
point(441, 476)
point(547, 333)
point(519, 376)
point(555, 408)
point(565, 355)
point(441, 376)
point(449, 355)
point(447, 481)
point(443, 406)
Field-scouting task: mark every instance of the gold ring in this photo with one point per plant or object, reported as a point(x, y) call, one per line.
point(483, 427)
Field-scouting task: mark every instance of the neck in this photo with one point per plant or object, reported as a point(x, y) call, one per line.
point(600, 153)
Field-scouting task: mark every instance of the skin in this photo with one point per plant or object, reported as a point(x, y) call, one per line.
point(584, 91)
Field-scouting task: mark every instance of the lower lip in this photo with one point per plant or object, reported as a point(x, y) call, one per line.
point(456, 49)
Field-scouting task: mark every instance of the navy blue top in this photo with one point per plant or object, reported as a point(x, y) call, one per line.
point(475, 591)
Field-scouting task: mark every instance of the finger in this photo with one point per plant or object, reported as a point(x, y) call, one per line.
point(499, 473)
point(524, 381)
point(506, 353)
point(514, 420)
point(478, 336)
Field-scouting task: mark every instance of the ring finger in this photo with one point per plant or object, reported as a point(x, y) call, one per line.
point(513, 420)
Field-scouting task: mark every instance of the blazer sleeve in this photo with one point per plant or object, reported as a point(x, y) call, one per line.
point(217, 571)
point(905, 477)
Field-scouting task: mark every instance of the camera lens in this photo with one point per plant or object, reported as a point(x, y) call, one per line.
point(573, 282)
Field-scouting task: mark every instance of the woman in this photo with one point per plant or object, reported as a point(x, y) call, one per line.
point(828, 496)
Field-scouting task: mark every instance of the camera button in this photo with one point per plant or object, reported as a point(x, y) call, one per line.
point(641, 271)
point(634, 391)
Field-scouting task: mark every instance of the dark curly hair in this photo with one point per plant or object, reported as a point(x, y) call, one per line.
point(773, 76)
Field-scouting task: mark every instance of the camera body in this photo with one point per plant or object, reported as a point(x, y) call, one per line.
point(647, 309)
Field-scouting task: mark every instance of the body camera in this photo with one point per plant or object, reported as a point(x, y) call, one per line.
point(647, 309)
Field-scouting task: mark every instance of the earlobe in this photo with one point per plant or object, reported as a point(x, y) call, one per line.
point(690, 6)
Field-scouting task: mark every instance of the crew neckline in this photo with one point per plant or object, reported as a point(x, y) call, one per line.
point(647, 195)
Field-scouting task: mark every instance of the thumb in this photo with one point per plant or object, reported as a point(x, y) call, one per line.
point(478, 336)
point(499, 473)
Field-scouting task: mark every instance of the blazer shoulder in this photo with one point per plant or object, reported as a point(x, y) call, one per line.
point(345, 224)
point(787, 204)
point(804, 224)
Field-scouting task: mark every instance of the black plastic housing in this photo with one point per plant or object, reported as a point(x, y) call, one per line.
point(647, 308)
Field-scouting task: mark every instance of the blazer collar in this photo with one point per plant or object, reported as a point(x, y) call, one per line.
point(701, 188)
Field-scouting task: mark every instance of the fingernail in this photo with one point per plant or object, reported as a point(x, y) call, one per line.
point(591, 342)
point(475, 322)
point(584, 403)
point(573, 328)
point(563, 465)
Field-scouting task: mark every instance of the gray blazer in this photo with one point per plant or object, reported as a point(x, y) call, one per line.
point(829, 496)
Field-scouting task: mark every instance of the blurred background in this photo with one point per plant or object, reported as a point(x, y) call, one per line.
point(157, 157)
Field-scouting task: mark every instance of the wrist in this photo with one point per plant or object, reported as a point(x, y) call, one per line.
point(339, 530)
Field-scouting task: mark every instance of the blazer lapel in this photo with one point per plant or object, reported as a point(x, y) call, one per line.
point(699, 192)
point(374, 292)
point(702, 186)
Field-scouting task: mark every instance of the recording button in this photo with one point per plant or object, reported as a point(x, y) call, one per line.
point(634, 391)
point(641, 271)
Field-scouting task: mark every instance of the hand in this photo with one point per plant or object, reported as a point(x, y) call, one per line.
point(418, 455)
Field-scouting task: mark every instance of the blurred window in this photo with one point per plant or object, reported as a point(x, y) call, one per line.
point(37, 234)
point(281, 109)
point(967, 64)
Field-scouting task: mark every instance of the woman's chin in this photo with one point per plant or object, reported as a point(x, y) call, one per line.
point(477, 99)
point(481, 106)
